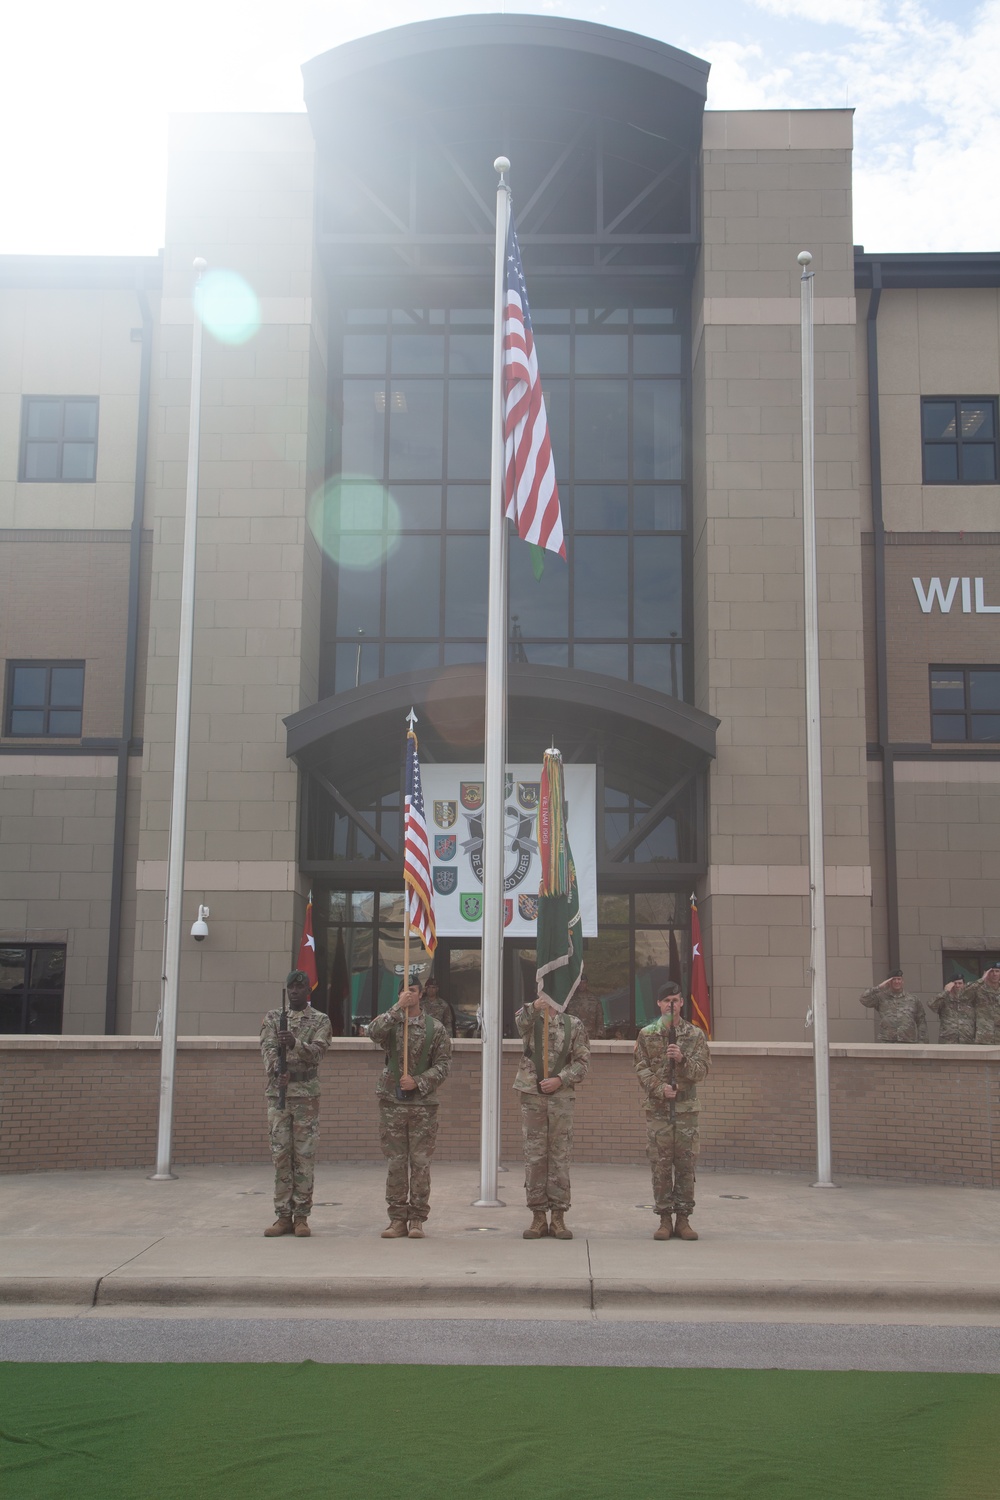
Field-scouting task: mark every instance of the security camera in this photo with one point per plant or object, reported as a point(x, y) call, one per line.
point(199, 930)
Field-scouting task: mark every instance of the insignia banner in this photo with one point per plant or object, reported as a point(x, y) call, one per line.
point(456, 794)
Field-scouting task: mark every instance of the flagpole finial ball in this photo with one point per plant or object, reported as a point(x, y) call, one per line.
point(804, 257)
point(501, 164)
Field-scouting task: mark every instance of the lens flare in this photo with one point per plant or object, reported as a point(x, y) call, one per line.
point(355, 520)
point(227, 305)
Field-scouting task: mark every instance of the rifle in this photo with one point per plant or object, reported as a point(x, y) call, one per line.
point(672, 1076)
point(282, 1059)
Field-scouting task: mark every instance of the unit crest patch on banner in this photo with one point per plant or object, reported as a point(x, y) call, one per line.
point(456, 797)
point(445, 814)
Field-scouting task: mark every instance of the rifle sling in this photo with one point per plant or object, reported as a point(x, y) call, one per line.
point(418, 1067)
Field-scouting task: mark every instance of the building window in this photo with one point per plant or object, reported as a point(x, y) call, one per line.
point(960, 439)
point(44, 699)
point(32, 978)
point(965, 705)
point(957, 964)
point(59, 439)
point(404, 521)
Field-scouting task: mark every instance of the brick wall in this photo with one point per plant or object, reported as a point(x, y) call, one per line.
point(912, 1114)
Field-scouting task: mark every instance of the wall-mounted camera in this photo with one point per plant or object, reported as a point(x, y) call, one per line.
point(199, 930)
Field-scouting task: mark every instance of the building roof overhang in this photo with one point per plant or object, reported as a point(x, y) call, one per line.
point(348, 729)
point(81, 272)
point(459, 59)
point(918, 270)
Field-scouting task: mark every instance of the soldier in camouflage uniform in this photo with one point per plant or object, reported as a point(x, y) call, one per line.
point(588, 1009)
point(294, 1130)
point(985, 996)
point(901, 1016)
point(547, 1111)
point(672, 1110)
point(436, 1005)
point(957, 1013)
point(408, 1126)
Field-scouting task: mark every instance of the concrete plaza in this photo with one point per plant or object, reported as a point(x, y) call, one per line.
point(772, 1248)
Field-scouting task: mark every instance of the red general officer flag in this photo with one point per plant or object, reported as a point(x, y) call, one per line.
point(701, 1000)
point(306, 960)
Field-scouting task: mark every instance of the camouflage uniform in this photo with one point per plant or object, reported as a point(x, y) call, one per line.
point(588, 1009)
point(294, 1130)
point(901, 1017)
point(957, 1014)
point(547, 1119)
point(986, 999)
point(438, 1007)
point(407, 1130)
point(671, 1143)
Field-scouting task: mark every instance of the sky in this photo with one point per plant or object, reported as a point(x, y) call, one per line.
point(86, 91)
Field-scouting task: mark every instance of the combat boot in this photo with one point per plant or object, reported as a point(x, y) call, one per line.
point(396, 1230)
point(666, 1229)
point(281, 1225)
point(538, 1228)
point(301, 1227)
point(683, 1229)
point(558, 1229)
point(416, 1230)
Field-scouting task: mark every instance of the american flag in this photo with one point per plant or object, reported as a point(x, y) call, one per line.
point(530, 494)
point(417, 854)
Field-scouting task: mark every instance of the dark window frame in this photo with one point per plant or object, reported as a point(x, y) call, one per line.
point(30, 992)
point(46, 706)
point(958, 443)
point(63, 402)
point(967, 712)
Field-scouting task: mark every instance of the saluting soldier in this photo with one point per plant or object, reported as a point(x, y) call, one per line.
point(985, 996)
point(545, 1085)
point(956, 1010)
point(672, 1109)
point(294, 1130)
point(415, 1068)
point(901, 1016)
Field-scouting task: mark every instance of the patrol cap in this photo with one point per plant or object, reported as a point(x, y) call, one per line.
point(294, 974)
point(896, 974)
point(668, 991)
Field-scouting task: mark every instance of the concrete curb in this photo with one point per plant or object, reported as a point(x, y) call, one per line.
point(373, 1291)
point(916, 1296)
point(76, 1291)
point(574, 1293)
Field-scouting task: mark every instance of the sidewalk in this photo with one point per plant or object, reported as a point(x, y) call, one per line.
point(772, 1248)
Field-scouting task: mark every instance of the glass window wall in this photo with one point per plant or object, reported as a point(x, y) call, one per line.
point(406, 578)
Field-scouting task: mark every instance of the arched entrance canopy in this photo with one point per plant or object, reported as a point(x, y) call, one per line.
point(349, 729)
point(350, 749)
point(430, 60)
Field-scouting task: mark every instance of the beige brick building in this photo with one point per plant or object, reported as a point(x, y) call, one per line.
point(343, 505)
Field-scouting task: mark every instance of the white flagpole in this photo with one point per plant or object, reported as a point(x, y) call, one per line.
point(491, 1007)
point(178, 800)
point(814, 748)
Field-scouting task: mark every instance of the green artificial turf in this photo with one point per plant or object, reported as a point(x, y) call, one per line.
point(155, 1432)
